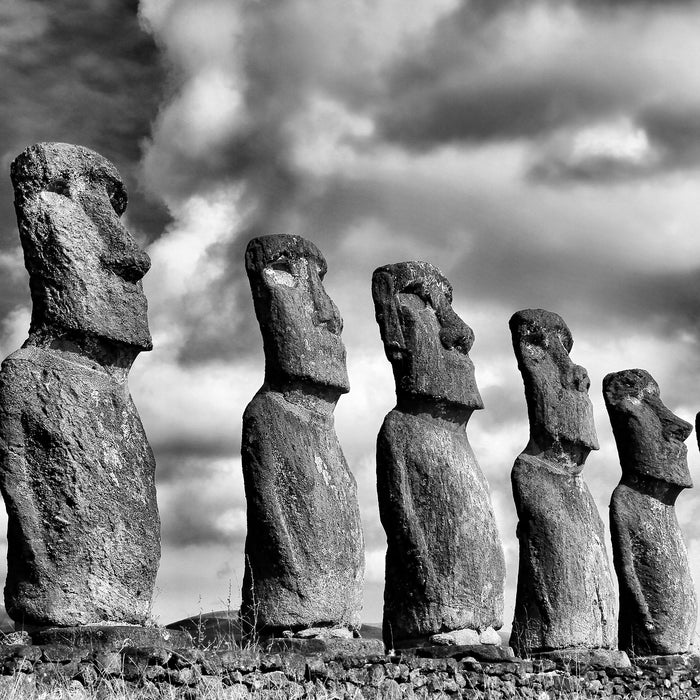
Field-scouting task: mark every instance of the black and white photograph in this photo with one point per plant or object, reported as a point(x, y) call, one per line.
point(350, 349)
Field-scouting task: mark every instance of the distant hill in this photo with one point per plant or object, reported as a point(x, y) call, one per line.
point(215, 627)
point(211, 628)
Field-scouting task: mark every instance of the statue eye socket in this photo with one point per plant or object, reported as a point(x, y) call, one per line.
point(281, 272)
point(117, 197)
point(59, 185)
point(417, 289)
point(281, 265)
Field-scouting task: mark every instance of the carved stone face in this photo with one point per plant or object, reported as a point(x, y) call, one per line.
point(85, 269)
point(299, 322)
point(426, 342)
point(556, 389)
point(649, 436)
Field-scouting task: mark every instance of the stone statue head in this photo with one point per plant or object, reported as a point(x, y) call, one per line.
point(650, 438)
point(426, 342)
point(84, 267)
point(556, 389)
point(299, 322)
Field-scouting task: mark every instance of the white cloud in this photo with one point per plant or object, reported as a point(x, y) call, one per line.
point(14, 330)
point(620, 139)
point(277, 121)
point(188, 582)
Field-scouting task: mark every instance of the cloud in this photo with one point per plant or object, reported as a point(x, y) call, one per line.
point(205, 505)
point(533, 71)
point(527, 149)
point(193, 580)
point(607, 151)
point(515, 72)
point(260, 91)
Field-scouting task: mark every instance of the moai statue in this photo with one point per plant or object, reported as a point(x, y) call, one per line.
point(76, 469)
point(658, 608)
point(304, 552)
point(444, 563)
point(565, 596)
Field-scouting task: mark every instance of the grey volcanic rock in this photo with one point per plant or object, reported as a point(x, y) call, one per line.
point(658, 607)
point(304, 548)
point(444, 563)
point(76, 470)
point(565, 596)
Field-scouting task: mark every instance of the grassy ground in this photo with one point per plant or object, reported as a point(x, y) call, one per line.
point(19, 689)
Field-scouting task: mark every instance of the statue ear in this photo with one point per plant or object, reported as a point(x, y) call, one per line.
point(386, 312)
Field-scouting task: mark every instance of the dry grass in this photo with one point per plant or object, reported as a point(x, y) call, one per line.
point(20, 688)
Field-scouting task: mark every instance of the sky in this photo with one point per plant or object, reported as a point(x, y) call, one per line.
point(540, 153)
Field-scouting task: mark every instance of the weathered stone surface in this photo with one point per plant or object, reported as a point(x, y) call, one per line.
point(460, 637)
point(490, 636)
point(327, 646)
point(304, 548)
point(76, 470)
point(579, 660)
point(479, 652)
point(444, 564)
point(113, 638)
point(321, 633)
point(658, 607)
point(565, 595)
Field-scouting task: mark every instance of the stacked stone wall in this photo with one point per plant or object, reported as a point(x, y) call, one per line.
point(247, 674)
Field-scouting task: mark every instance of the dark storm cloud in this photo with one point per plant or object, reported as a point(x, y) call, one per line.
point(82, 73)
point(175, 454)
point(559, 171)
point(675, 129)
point(468, 85)
point(490, 112)
point(589, 286)
point(423, 110)
point(197, 516)
point(667, 301)
point(480, 80)
point(608, 5)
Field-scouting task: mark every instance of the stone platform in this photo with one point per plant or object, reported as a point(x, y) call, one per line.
point(480, 652)
point(111, 637)
point(579, 660)
point(249, 674)
point(327, 646)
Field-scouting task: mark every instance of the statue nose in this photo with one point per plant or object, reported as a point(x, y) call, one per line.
point(454, 332)
point(123, 256)
point(325, 311)
point(131, 264)
point(673, 425)
point(580, 379)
